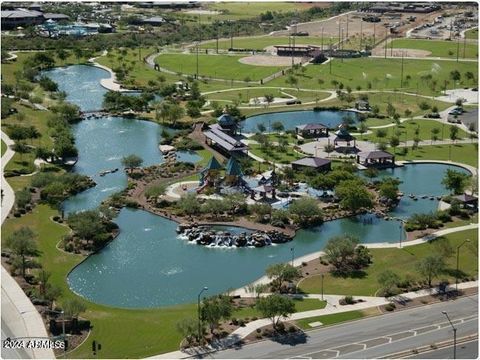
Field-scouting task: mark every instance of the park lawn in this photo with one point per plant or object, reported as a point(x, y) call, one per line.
point(247, 10)
point(382, 74)
point(407, 128)
point(274, 154)
point(439, 48)
point(122, 332)
point(244, 95)
point(399, 101)
point(462, 153)
point(372, 122)
point(472, 34)
point(300, 306)
point(353, 42)
point(4, 147)
point(332, 318)
point(215, 66)
point(402, 262)
point(261, 42)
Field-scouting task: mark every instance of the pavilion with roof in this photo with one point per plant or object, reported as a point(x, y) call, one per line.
point(222, 136)
point(376, 158)
point(343, 140)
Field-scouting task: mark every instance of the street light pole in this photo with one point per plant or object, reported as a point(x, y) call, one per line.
point(198, 309)
point(322, 286)
point(454, 335)
point(293, 253)
point(458, 261)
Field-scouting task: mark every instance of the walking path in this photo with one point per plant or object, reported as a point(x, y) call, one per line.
point(18, 312)
point(110, 83)
point(332, 307)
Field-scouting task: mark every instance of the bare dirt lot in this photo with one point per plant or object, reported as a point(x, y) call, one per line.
point(269, 60)
point(380, 51)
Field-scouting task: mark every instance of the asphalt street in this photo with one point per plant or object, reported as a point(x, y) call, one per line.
point(371, 337)
point(468, 350)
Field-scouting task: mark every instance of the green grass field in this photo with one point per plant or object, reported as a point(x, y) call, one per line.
point(300, 305)
point(402, 262)
point(383, 74)
point(472, 34)
point(244, 95)
point(439, 48)
point(425, 127)
point(214, 66)
point(261, 42)
point(462, 153)
point(331, 319)
point(246, 10)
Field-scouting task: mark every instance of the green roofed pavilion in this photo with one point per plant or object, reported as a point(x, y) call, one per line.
point(213, 164)
point(233, 168)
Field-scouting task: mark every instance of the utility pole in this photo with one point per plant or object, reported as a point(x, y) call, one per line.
point(196, 75)
point(347, 26)
point(374, 28)
point(339, 29)
point(401, 73)
point(385, 46)
point(322, 39)
point(391, 47)
point(361, 34)
point(231, 36)
point(341, 55)
point(464, 44)
point(458, 46)
point(331, 58)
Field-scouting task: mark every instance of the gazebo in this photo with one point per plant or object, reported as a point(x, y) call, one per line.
point(311, 130)
point(467, 201)
point(210, 172)
point(344, 137)
point(316, 163)
point(376, 158)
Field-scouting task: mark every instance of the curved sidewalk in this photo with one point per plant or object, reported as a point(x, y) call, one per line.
point(18, 312)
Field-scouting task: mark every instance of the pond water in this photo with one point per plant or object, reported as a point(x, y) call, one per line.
point(147, 265)
point(291, 119)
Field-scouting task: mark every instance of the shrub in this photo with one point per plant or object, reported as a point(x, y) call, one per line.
point(349, 300)
point(390, 307)
point(281, 327)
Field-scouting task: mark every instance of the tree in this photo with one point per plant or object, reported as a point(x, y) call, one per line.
point(189, 329)
point(214, 309)
point(292, 81)
point(388, 280)
point(455, 181)
point(353, 195)
point(22, 245)
point(362, 129)
point(430, 267)
point(408, 113)
point(280, 273)
point(275, 307)
point(132, 161)
point(305, 211)
point(329, 148)
point(388, 188)
point(215, 207)
point(43, 277)
point(394, 142)
point(23, 198)
point(269, 98)
point(435, 131)
point(277, 126)
point(345, 254)
point(380, 133)
point(455, 75)
point(189, 204)
point(261, 128)
point(453, 133)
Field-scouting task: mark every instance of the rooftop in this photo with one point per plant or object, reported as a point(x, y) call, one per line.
point(311, 127)
point(376, 154)
point(311, 161)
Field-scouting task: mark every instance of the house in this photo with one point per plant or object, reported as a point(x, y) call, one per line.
point(153, 21)
point(312, 162)
point(362, 105)
point(56, 17)
point(467, 201)
point(311, 130)
point(376, 158)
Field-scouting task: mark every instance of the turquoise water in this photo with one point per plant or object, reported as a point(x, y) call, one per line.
point(82, 85)
point(147, 265)
point(291, 119)
point(102, 143)
point(419, 179)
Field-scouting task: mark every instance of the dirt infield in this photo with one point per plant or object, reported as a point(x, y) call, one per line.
point(269, 60)
point(380, 51)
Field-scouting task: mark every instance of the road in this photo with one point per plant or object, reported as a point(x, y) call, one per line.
point(372, 337)
point(468, 350)
point(12, 353)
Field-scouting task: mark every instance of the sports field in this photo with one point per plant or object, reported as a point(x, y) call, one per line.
point(215, 66)
point(439, 48)
point(380, 74)
point(261, 42)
